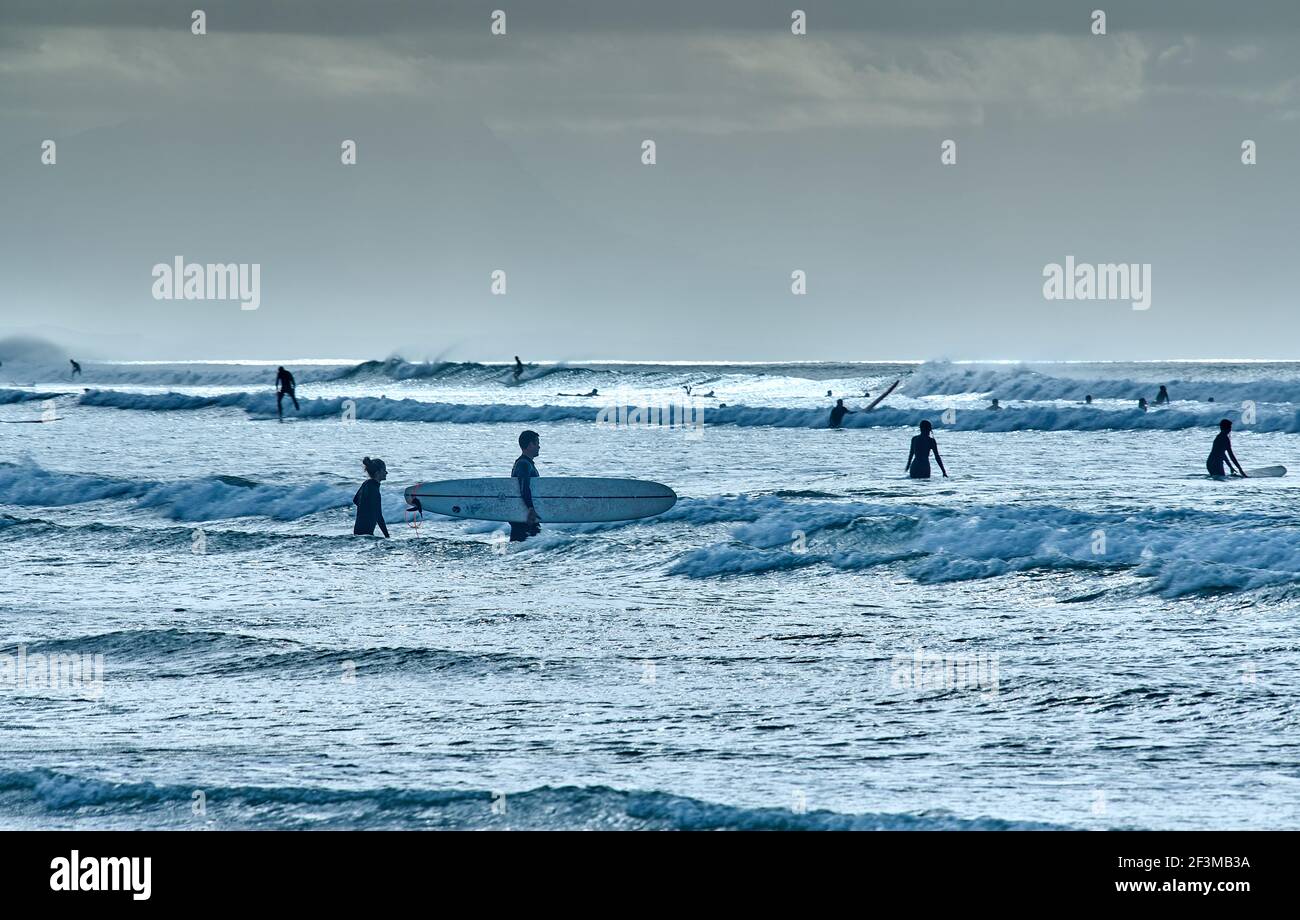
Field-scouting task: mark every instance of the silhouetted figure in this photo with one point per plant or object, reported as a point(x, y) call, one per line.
point(76, 368)
point(1162, 398)
point(687, 388)
point(995, 405)
point(1221, 451)
point(519, 367)
point(918, 457)
point(592, 393)
point(1088, 399)
point(284, 386)
point(1211, 399)
point(530, 445)
point(828, 392)
point(1142, 403)
point(838, 411)
point(370, 509)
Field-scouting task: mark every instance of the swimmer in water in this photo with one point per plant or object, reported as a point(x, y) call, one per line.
point(838, 411)
point(994, 405)
point(1221, 451)
point(918, 457)
point(1162, 398)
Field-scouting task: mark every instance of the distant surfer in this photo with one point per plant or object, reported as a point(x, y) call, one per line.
point(1142, 403)
point(995, 405)
point(284, 386)
point(918, 457)
point(76, 368)
point(592, 393)
point(530, 445)
point(1162, 398)
point(370, 509)
point(1088, 399)
point(1221, 451)
point(838, 411)
point(519, 368)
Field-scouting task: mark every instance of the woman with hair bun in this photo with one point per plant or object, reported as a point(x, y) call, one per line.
point(370, 509)
point(918, 458)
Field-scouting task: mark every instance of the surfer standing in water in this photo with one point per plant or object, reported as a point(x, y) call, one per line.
point(285, 386)
point(918, 458)
point(838, 411)
point(1162, 398)
point(370, 509)
point(1222, 450)
point(530, 445)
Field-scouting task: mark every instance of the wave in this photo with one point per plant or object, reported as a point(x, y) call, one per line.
point(9, 397)
point(206, 499)
point(1176, 553)
point(50, 797)
point(1024, 383)
point(1037, 418)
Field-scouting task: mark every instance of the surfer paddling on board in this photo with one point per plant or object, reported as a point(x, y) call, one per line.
point(918, 458)
point(530, 445)
point(1221, 451)
point(370, 509)
point(285, 386)
point(838, 411)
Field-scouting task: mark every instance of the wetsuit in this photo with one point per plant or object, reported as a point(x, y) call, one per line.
point(524, 470)
point(922, 444)
point(1162, 398)
point(1218, 454)
point(837, 415)
point(519, 368)
point(370, 510)
point(76, 368)
point(285, 388)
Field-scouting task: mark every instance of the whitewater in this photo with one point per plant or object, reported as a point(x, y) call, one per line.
point(748, 660)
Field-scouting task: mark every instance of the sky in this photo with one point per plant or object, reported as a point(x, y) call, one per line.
point(775, 153)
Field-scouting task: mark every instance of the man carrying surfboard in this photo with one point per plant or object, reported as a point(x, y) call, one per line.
point(1222, 450)
point(530, 445)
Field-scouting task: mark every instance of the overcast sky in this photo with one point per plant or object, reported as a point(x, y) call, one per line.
point(775, 153)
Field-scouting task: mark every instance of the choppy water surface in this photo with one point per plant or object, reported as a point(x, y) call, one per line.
point(1078, 629)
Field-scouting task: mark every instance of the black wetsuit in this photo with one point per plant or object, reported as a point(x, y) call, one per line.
point(524, 470)
point(286, 387)
point(922, 444)
point(370, 510)
point(1218, 454)
point(837, 415)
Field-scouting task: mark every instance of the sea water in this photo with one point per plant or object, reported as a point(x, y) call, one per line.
point(1078, 628)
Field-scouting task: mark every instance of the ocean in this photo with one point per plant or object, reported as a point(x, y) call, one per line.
point(1078, 629)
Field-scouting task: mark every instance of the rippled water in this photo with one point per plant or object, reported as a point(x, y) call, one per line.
point(1106, 637)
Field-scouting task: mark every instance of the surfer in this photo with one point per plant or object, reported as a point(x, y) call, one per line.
point(284, 386)
point(1222, 450)
point(1162, 398)
point(838, 411)
point(994, 405)
point(918, 457)
point(1142, 403)
point(519, 368)
point(592, 393)
point(370, 509)
point(76, 368)
point(530, 445)
point(1088, 399)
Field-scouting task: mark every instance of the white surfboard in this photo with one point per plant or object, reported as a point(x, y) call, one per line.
point(558, 499)
point(1267, 472)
